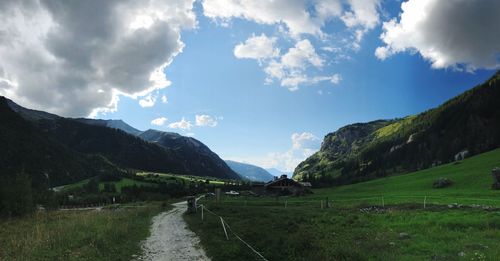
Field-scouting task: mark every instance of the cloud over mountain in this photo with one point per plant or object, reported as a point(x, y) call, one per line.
point(72, 57)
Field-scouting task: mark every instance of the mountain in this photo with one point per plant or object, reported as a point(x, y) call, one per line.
point(80, 148)
point(468, 124)
point(114, 124)
point(250, 172)
point(276, 172)
point(191, 153)
point(25, 149)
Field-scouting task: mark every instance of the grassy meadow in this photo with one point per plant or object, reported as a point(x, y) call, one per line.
point(124, 182)
point(109, 234)
point(381, 219)
point(162, 177)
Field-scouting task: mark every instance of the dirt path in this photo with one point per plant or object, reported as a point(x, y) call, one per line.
point(171, 239)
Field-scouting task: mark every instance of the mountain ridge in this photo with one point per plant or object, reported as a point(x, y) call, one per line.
point(468, 123)
point(105, 139)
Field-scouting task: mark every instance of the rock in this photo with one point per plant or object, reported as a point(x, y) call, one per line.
point(404, 235)
point(442, 183)
point(461, 254)
point(392, 244)
point(461, 155)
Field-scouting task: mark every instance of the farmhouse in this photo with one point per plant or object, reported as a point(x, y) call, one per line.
point(283, 185)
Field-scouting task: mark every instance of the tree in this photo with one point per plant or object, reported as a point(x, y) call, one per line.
point(16, 197)
point(92, 186)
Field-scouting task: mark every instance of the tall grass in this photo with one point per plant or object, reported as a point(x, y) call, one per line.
point(347, 233)
point(76, 235)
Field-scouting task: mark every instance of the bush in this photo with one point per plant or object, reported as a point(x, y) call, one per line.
point(442, 183)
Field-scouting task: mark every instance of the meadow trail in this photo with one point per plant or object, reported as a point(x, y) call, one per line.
point(170, 238)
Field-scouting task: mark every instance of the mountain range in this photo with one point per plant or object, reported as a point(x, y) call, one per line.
point(466, 125)
point(250, 172)
point(55, 150)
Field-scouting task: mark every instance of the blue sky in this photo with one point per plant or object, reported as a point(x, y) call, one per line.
point(345, 62)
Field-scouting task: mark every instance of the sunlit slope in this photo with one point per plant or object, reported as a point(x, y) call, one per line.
point(468, 123)
point(471, 179)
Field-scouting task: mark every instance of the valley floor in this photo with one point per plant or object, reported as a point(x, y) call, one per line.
point(358, 232)
point(394, 218)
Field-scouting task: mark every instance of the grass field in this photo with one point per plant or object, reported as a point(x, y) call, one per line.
point(471, 179)
point(351, 231)
point(124, 182)
point(167, 176)
point(77, 235)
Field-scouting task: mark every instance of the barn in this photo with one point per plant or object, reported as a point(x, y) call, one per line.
point(285, 186)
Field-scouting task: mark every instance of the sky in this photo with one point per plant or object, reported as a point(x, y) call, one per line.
point(260, 82)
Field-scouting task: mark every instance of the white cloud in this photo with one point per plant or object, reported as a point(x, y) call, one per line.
point(327, 9)
point(363, 14)
point(362, 17)
point(159, 121)
point(292, 14)
point(303, 145)
point(305, 140)
point(291, 68)
point(446, 33)
point(71, 57)
point(205, 120)
point(300, 20)
point(148, 101)
point(164, 99)
point(334, 79)
point(257, 47)
point(301, 55)
point(183, 124)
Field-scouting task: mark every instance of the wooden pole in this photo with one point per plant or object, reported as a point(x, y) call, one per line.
point(202, 212)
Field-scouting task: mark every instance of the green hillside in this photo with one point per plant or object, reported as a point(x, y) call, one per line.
point(468, 123)
point(471, 179)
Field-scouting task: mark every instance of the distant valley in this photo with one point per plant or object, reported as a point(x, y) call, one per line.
point(250, 172)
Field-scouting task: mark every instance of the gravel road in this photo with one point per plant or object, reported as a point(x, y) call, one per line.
point(171, 239)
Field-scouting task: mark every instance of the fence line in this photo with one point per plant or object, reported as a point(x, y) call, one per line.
point(225, 224)
point(383, 199)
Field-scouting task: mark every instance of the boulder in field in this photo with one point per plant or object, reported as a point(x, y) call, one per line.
point(442, 183)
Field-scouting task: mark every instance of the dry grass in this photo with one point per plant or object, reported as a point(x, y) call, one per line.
point(76, 235)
